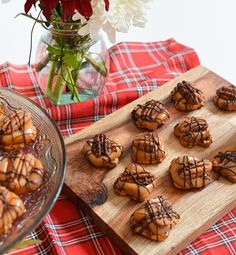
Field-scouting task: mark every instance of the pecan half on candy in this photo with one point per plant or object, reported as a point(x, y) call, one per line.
point(102, 151)
point(186, 97)
point(150, 116)
point(148, 148)
point(136, 182)
point(154, 219)
point(225, 98)
point(11, 208)
point(190, 172)
point(193, 131)
point(225, 164)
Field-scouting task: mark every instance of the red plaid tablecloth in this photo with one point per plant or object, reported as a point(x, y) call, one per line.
point(135, 69)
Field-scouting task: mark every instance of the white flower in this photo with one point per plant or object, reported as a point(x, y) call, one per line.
point(78, 16)
point(121, 15)
point(4, 1)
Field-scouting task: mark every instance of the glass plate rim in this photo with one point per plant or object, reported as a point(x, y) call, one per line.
point(56, 193)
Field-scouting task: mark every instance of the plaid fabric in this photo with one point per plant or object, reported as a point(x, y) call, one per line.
point(135, 69)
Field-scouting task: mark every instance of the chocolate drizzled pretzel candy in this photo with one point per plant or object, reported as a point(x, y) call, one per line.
point(225, 164)
point(225, 98)
point(186, 97)
point(11, 208)
point(21, 173)
point(154, 219)
point(136, 182)
point(190, 172)
point(193, 131)
point(150, 115)
point(102, 151)
point(17, 130)
point(148, 148)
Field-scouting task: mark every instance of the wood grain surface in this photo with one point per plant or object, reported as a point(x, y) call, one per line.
point(93, 187)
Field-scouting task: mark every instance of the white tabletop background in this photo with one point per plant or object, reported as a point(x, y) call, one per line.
point(208, 26)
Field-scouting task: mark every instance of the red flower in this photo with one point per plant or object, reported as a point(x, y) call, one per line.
point(29, 4)
point(106, 4)
point(46, 5)
point(84, 7)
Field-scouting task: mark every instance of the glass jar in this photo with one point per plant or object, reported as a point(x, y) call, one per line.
point(69, 67)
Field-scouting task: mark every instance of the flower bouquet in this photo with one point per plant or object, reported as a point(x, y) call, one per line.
point(69, 61)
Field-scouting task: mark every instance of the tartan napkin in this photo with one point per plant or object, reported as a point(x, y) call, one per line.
point(135, 69)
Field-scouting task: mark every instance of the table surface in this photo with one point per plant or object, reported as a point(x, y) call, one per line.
point(207, 26)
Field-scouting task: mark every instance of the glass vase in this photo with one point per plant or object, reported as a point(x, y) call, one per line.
point(69, 67)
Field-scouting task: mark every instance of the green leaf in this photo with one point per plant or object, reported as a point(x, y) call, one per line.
point(71, 60)
point(54, 50)
point(24, 244)
point(60, 50)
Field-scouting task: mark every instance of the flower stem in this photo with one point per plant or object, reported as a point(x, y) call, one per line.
point(56, 94)
point(99, 66)
point(72, 83)
point(51, 78)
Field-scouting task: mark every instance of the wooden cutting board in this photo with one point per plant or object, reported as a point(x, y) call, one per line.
point(92, 188)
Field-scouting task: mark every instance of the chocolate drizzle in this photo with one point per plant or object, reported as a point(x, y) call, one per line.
point(135, 174)
point(100, 145)
point(188, 92)
point(142, 178)
point(151, 148)
point(228, 155)
point(155, 218)
point(189, 98)
point(21, 173)
point(11, 208)
point(227, 93)
point(193, 131)
point(151, 111)
point(225, 164)
point(17, 130)
point(190, 172)
point(226, 98)
point(102, 151)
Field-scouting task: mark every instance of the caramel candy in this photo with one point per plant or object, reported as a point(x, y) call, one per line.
point(11, 208)
point(186, 97)
point(154, 219)
point(2, 110)
point(225, 164)
point(21, 173)
point(148, 148)
point(136, 182)
point(17, 130)
point(226, 98)
point(190, 172)
point(150, 115)
point(102, 151)
point(193, 131)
